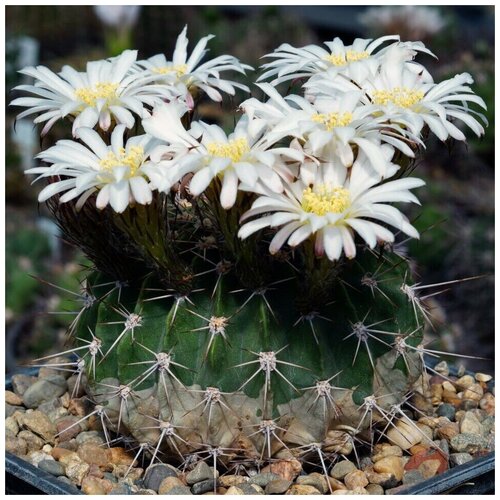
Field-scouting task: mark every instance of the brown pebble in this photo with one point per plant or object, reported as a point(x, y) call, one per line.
point(57, 452)
point(120, 456)
point(13, 399)
point(234, 490)
point(286, 469)
point(429, 468)
point(335, 484)
point(436, 393)
point(483, 377)
point(374, 489)
point(302, 489)
point(418, 448)
point(393, 465)
point(92, 485)
point(452, 398)
point(487, 403)
point(447, 431)
point(378, 477)
point(96, 471)
point(68, 428)
point(76, 471)
point(33, 441)
point(356, 479)
point(168, 483)
point(94, 454)
point(448, 386)
point(77, 407)
point(465, 382)
point(16, 446)
point(383, 450)
point(232, 480)
point(474, 392)
point(39, 423)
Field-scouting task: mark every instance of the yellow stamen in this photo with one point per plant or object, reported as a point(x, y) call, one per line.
point(180, 69)
point(132, 158)
point(323, 199)
point(400, 96)
point(101, 91)
point(332, 120)
point(347, 57)
point(234, 149)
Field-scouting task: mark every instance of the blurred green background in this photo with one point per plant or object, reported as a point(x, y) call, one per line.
point(457, 213)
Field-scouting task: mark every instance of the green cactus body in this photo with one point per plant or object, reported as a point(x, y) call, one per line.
point(235, 365)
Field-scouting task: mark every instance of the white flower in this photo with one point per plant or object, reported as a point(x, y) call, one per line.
point(414, 101)
point(107, 90)
point(240, 158)
point(331, 126)
point(118, 171)
point(416, 21)
point(352, 61)
point(117, 16)
point(333, 210)
point(184, 73)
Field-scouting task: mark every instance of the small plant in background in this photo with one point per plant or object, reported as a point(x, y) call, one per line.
point(250, 299)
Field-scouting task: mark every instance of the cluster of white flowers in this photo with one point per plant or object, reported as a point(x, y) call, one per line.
point(322, 166)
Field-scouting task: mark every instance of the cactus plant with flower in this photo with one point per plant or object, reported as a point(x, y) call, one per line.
point(250, 299)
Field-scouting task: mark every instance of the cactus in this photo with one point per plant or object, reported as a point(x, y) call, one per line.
point(249, 299)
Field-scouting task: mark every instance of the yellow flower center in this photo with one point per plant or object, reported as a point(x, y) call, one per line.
point(400, 96)
point(347, 57)
point(234, 149)
point(324, 199)
point(132, 158)
point(101, 91)
point(180, 69)
point(332, 120)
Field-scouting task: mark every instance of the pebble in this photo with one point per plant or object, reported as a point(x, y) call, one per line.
point(13, 399)
point(167, 484)
point(488, 425)
point(44, 390)
point(95, 437)
point(76, 471)
point(144, 491)
point(16, 446)
point(12, 425)
point(483, 377)
point(487, 403)
point(404, 435)
point(180, 490)
point(277, 487)
point(263, 479)
point(232, 480)
point(21, 382)
point(52, 467)
point(385, 479)
point(92, 485)
point(120, 456)
point(460, 458)
point(39, 423)
point(474, 392)
point(57, 453)
point(302, 489)
point(465, 382)
point(341, 469)
point(383, 450)
point(251, 489)
point(10, 410)
point(121, 489)
point(430, 454)
point(448, 431)
point(470, 424)
point(335, 484)
point(72, 381)
point(315, 479)
point(203, 486)
point(412, 477)
point(133, 474)
point(68, 428)
point(356, 479)
point(468, 404)
point(201, 472)
point(94, 454)
point(448, 386)
point(468, 443)
point(286, 469)
point(422, 403)
point(442, 368)
point(338, 442)
point(429, 468)
point(446, 410)
point(393, 465)
point(374, 489)
point(436, 393)
point(50, 406)
point(234, 490)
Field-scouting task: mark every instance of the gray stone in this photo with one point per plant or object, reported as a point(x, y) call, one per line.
point(201, 472)
point(263, 479)
point(44, 390)
point(412, 477)
point(11, 409)
point(66, 480)
point(277, 487)
point(110, 477)
point(365, 462)
point(52, 467)
point(444, 446)
point(251, 489)
point(488, 425)
point(468, 443)
point(121, 489)
point(179, 490)
point(374, 489)
point(202, 487)
point(21, 382)
point(341, 469)
point(145, 491)
point(460, 458)
point(96, 437)
point(447, 410)
point(155, 474)
point(50, 406)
